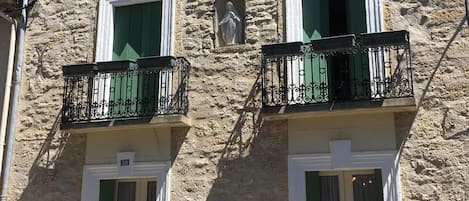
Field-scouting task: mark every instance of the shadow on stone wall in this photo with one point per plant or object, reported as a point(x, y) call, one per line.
point(435, 135)
point(442, 57)
point(57, 170)
point(405, 121)
point(178, 136)
point(253, 163)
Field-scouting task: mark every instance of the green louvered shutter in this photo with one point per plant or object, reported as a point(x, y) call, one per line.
point(137, 33)
point(358, 64)
point(313, 186)
point(315, 26)
point(107, 190)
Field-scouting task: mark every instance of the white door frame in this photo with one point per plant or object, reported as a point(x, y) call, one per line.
point(92, 174)
point(342, 158)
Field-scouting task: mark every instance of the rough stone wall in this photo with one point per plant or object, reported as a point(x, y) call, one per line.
point(47, 164)
point(230, 153)
point(224, 156)
point(435, 156)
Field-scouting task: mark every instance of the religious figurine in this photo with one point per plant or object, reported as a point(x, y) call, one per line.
point(231, 25)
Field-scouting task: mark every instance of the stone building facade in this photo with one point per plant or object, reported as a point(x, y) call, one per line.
point(228, 145)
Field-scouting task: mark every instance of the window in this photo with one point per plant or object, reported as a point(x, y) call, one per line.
point(114, 17)
point(327, 167)
point(127, 190)
point(357, 185)
point(137, 30)
point(128, 30)
point(345, 76)
point(99, 183)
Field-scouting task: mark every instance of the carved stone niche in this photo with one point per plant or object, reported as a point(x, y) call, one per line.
point(225, 20)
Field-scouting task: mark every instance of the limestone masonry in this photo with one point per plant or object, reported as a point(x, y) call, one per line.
point(231, 153)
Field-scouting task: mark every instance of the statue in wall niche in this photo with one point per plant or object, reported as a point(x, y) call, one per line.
point(230, 25)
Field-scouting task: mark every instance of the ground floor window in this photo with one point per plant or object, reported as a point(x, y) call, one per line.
point(355, 185)
point(127, 190)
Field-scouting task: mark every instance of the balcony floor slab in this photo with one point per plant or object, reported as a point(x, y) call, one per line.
point(339, 108)
point(176, 120)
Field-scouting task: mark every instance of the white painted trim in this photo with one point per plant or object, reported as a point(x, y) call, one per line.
point(167, 42)
point(92, 174)
point(294, 18)
point(374, 23)
point(105, 36)
point(167, 27)
point(294, 29)
point(298, 164)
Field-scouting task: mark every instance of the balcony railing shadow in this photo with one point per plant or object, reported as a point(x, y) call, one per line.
point(150, 86)
point(372, 66)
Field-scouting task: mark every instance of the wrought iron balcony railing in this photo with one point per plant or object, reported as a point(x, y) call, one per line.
point(150, 86)
point(371, 66)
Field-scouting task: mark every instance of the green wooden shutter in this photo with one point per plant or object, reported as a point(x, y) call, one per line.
point(137, 33)
point(315, 26)
point(313, 186)
point(358, 64)
point(379, 185)
point(151, 29)
point(107, 190)
point(151, 39)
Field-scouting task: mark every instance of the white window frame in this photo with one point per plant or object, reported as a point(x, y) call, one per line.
point(294, 31)
point(105, 41)
point(92, 174)
point(342, 158)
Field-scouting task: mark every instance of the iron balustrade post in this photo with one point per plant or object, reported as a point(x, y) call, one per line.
point(89, 96)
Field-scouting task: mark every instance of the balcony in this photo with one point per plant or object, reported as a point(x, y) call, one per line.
point(149, 92)
point(349, 73)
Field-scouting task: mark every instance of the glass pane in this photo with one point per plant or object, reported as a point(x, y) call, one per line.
point(126, 191)
point(329, 188)
point(365, 188)
point(151, 191)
